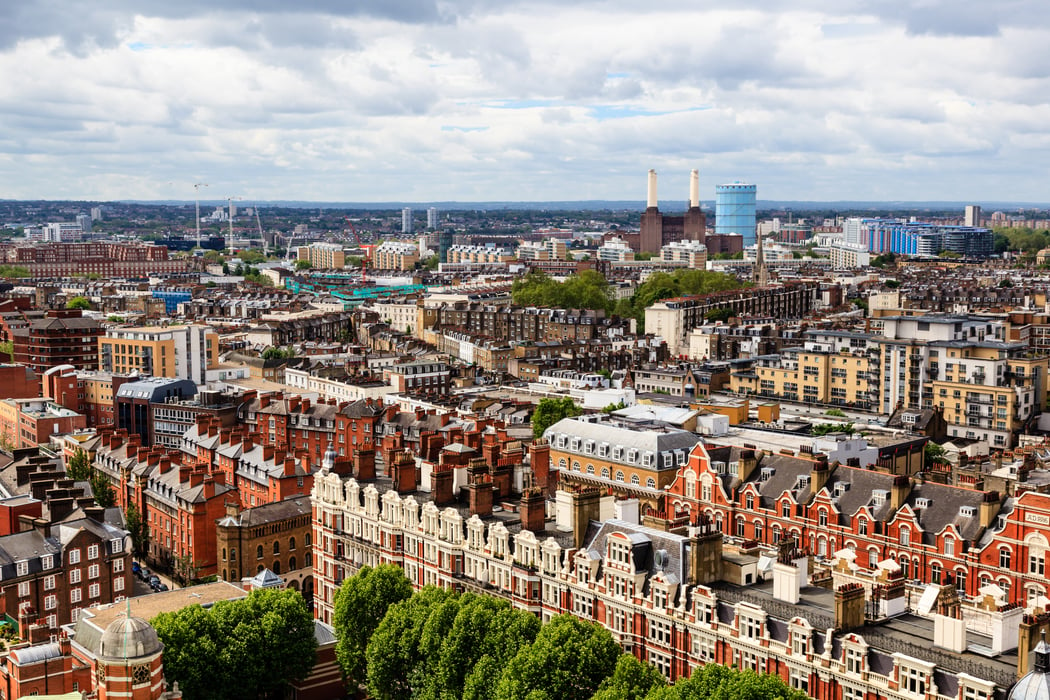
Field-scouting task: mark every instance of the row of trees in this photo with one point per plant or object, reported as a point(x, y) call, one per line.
point(437, 645)
point(1025, 240)
point(239, 649)
point(590, 290)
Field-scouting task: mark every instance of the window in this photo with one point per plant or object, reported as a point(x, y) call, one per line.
point(1036, 563)
point(854, 661)
point(822, 518)
point(660, 632)
point(50, 602)
point(74, 556)
point(905, 536)
point(291, 544)
point(118, 565)
point(749, 502)
point(276, 547)
point(949, 546)
point(74, 576)
point(93, 552)
point(23, 589)
point(74, 595)
point(259, 552)
point(750, 628)
point(22, 568)
point(1004, 558)
point(93, 571)
point(94, 590)
point(118, 583)
point(785, 509)
point(49, 583)
point(47, 561)
point(862, 526)
point(913, 680)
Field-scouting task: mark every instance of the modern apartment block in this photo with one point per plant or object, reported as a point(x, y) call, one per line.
point(674, 319)
point(323, 256)
point(177, 352)
point(62, 337)
point(95, 258)
point(986, 388)
point(393, 255)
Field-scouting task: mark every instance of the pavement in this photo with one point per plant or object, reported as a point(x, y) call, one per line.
point(140, 587)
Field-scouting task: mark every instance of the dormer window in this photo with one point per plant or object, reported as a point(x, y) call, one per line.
point(765, 474)
point(802, 482)
point(922, 503)
point(967, 511)
point(878, 497)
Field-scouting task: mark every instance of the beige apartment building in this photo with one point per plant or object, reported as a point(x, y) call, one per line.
point(323, 256)
point(393, 255)
point(810, 374)
point(178, 352)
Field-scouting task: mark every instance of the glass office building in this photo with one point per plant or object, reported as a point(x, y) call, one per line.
point(735, 210)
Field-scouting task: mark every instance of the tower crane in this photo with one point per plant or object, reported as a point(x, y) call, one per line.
point(258, 225)
point(367, 258)
point(229, 204)
point(197, 196)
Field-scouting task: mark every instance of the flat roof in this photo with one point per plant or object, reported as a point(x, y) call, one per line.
point(149, 606)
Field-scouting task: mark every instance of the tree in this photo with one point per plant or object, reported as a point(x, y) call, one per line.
point(14, 271)
point(139, 530)
point(549, 411)
point(360, 604)
point(933, 454)
point(185, 569)
point(614, 407)
point(103, 491)
point(303, 265)
point(432, 262)
point(715, 315)
point(631, 680)
point(78, 467)
point(275, 353)
point(79, 303)
point(568, 661)
point(392, 654)
point(717, 682)
point(239, 649)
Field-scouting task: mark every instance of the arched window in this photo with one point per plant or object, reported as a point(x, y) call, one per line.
point(822, 517)
point(277, 566)
point(590, 468)
point(635, 480)
point(260, 569)
point(308, 559)
point(562, 463)
point(276, 547)
point(749, 502)
point(309, 539)
point(291, 563)
point(291, 544)
point(224, 554)
point(619, 476)
point(935, 572)
point(605, 472)
point(233, 575)
point(758, 530)
point(650, 482)
point(224, 577)
point(776, 533)
point(233, 554)
point(258, 552)
point(960, 580)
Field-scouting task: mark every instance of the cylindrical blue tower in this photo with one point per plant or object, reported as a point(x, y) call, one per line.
point(735, 210)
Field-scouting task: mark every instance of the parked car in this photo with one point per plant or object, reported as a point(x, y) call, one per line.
point(144, 574)
point(135, 568)
point(154, 581)
point(161, 588)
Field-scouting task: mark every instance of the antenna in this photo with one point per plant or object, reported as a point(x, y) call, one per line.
point(229, 202)
point(197, 197)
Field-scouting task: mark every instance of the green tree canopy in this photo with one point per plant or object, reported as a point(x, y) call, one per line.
point(585, 290)
point(78, 467)
point(568, 661)
point(302, 265)
point(275, 353)
point(934, 454)
point(239, 649)
point(79, 303)
point(666, 285)
point(139, 530)
point(103, 491)
point(716, 682)
point(14, 271)
point(631, 680)
point(549, 411)
point(360, 604)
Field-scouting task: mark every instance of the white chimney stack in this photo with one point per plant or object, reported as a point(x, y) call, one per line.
point(652, 189)
point(694, 189)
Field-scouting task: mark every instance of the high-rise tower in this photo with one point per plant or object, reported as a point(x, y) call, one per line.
point(735, 210)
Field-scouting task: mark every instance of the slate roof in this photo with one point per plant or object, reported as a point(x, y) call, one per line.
point(645, 542)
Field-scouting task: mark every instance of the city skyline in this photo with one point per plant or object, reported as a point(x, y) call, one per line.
point(427, 102)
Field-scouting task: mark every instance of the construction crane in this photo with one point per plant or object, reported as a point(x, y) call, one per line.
point(229, 204)
point(288, 255)
point(258, 225)
point(366, 258)
point(197, 196)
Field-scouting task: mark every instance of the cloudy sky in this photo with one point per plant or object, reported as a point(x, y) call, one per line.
point(481, 100)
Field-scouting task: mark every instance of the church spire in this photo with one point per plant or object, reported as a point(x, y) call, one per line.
point(761, 273)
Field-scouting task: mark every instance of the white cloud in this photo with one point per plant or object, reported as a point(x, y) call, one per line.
point(415, 100)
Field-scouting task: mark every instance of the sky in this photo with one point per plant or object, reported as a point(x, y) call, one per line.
point(486, 100)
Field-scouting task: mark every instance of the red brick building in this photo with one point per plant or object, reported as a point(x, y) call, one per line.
point(63, 337)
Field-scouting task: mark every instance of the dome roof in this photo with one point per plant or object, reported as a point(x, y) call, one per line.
point(1035, 685)
point(129, 638)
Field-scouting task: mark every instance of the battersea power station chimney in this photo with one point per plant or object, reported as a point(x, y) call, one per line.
point(651, 201)
point(694, 189)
